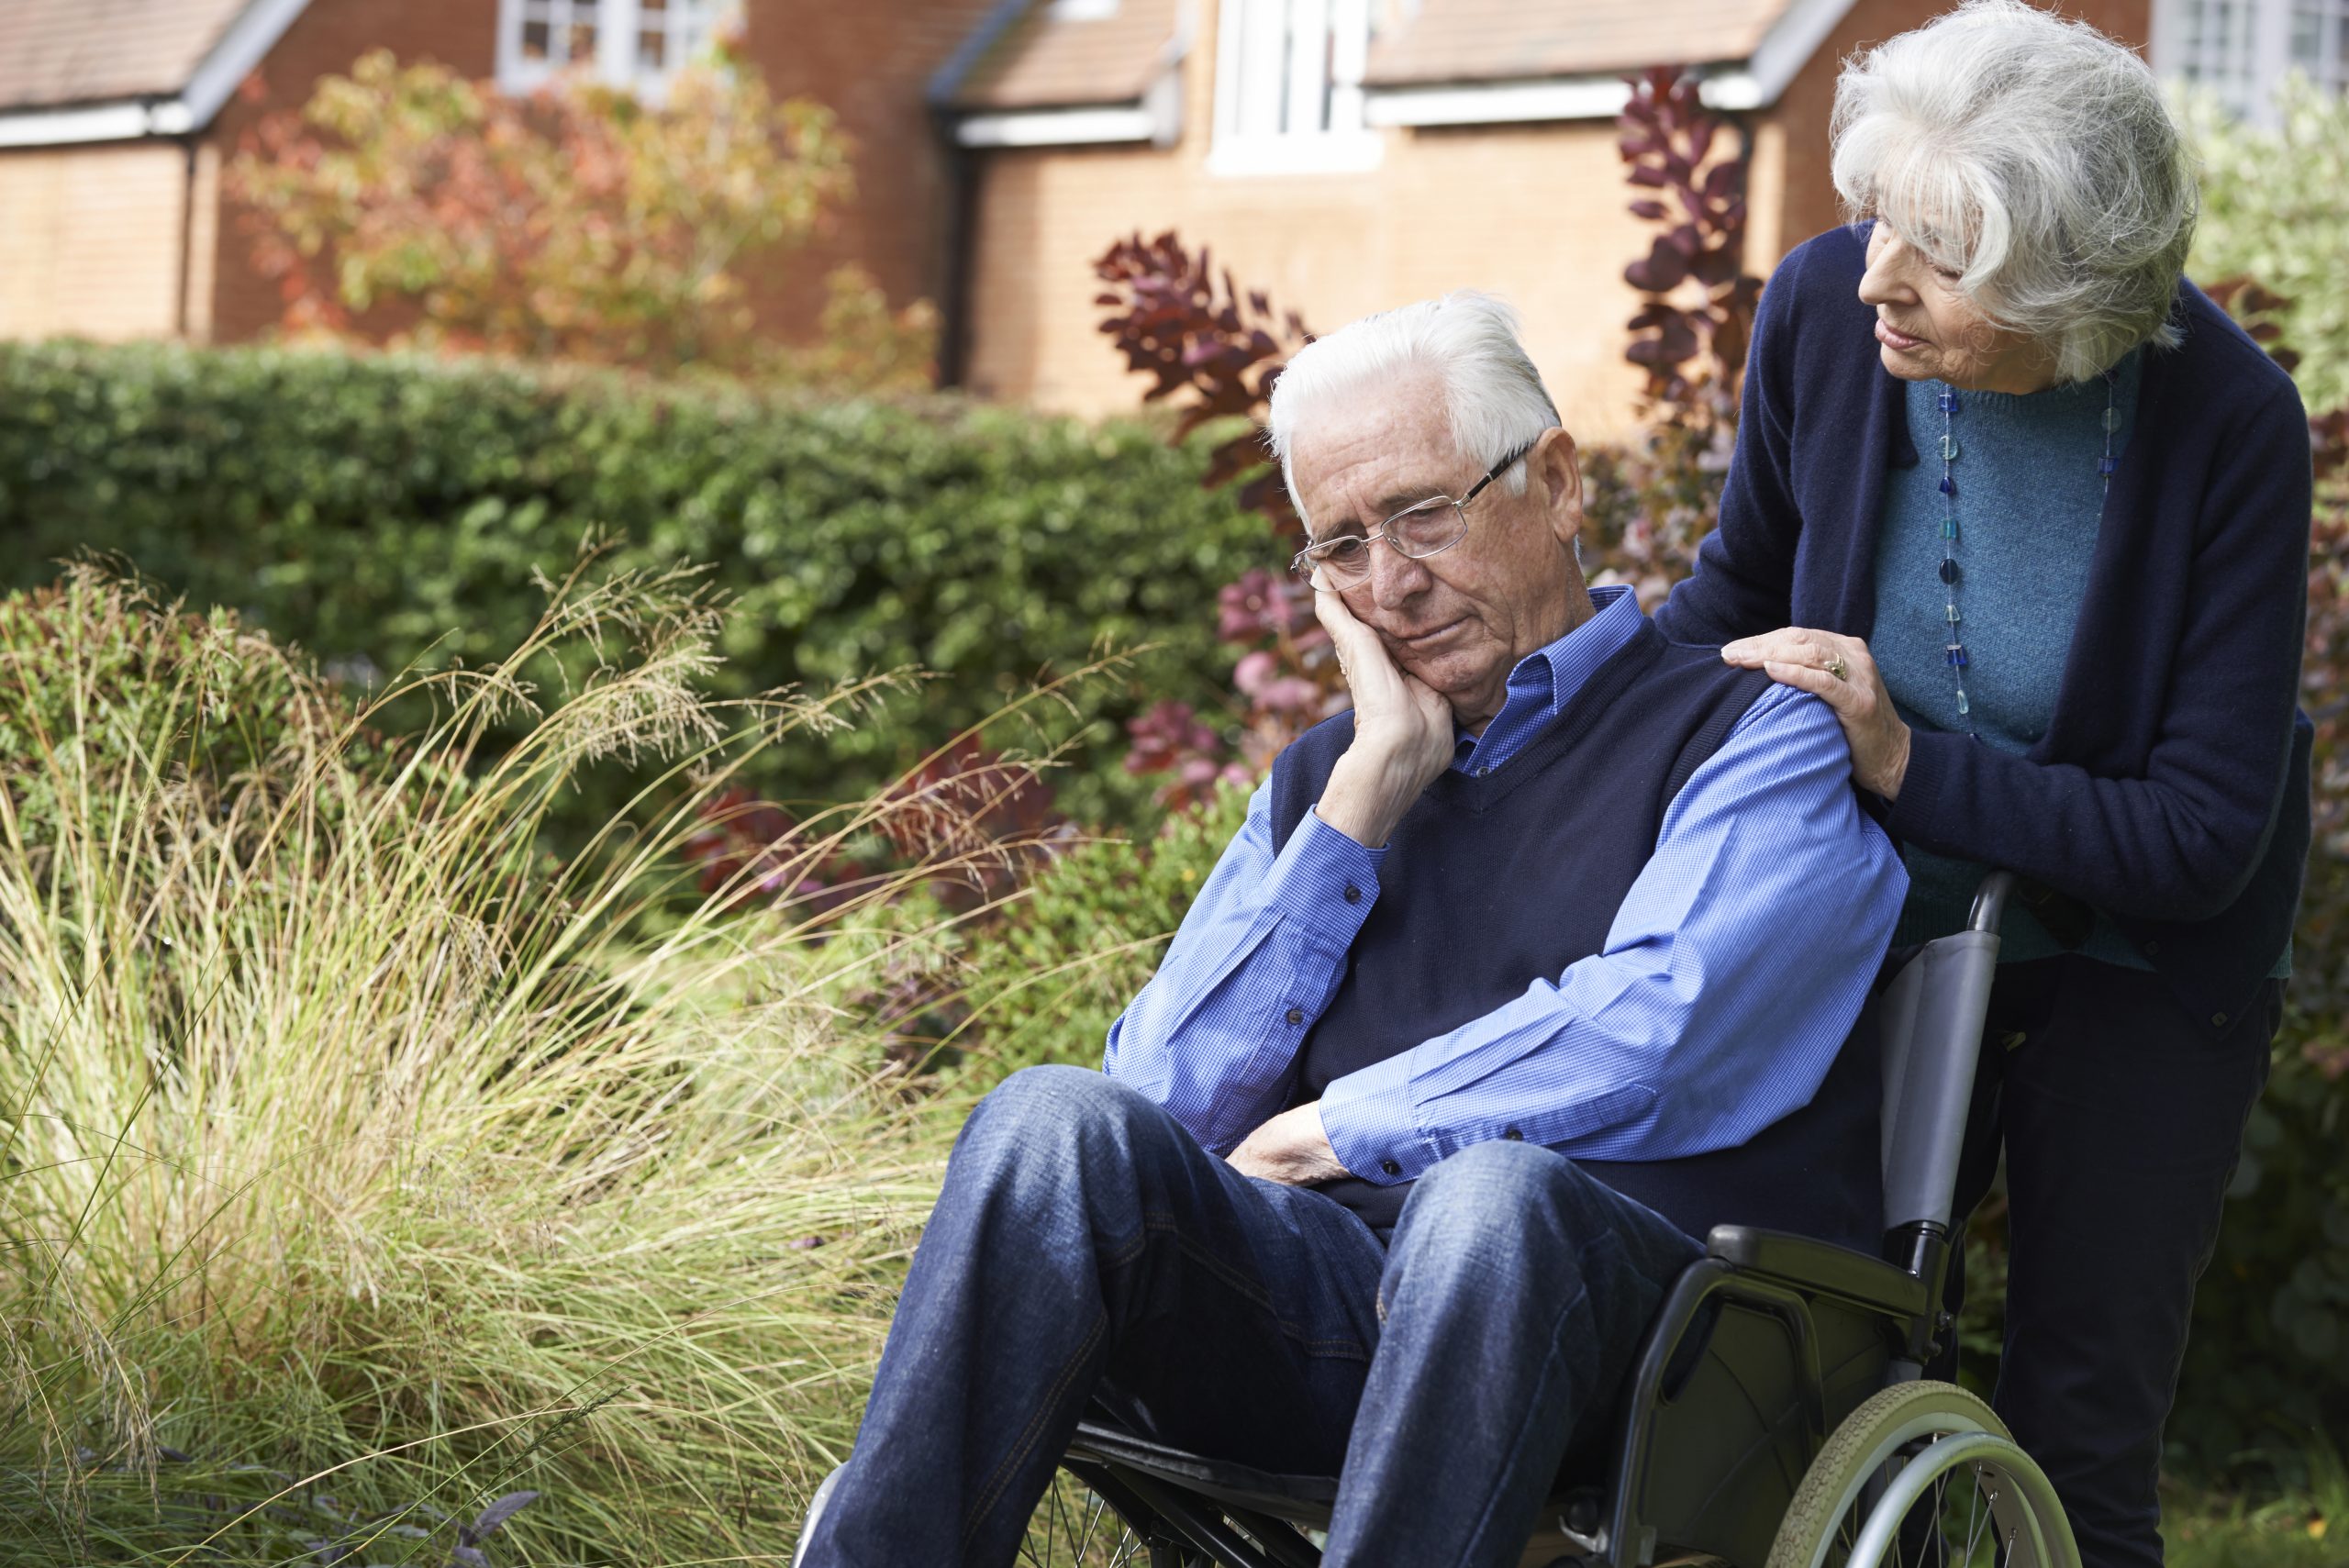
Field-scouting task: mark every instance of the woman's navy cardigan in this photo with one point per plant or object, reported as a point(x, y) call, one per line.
point(2171, 790)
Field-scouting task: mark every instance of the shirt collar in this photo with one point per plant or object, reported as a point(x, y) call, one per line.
point(1545, 680)
point(1553, 673)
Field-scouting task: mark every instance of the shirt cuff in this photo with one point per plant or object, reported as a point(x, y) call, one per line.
point(1323, 884)
point(1372, 1123)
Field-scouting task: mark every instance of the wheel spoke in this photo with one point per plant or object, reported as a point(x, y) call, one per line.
point(1974, 1515)
point(1072, 1527)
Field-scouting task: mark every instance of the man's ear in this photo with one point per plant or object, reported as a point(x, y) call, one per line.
point(1554, 470)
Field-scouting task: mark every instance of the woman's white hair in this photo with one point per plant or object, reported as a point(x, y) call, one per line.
point(2035, 156)
point(1493, 396)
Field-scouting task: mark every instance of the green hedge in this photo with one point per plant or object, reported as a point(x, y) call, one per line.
point(381, 510)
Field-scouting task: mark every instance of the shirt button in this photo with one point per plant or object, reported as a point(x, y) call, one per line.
point(1294, 1016)
point(2218, 1020)
point(1391, 1168)
point(1353, 894)
point(2152, 948)
point(1514, 1136)
point(1483, 772)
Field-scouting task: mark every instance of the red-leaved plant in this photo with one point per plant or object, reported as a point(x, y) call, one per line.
point(1699, 300)
point(1214, 354)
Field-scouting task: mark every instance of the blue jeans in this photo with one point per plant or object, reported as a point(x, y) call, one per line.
point(1086, 1247)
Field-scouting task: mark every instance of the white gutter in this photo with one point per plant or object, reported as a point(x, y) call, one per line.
point(1057, 127)
point(1497, 103)
point(244, 44)
point(129, 120)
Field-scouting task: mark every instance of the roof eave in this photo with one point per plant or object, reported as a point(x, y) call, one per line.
point(242, 47)
point(1753, 82)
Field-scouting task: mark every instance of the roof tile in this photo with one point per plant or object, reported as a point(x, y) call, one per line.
point(1052, 61)
point(56, 52)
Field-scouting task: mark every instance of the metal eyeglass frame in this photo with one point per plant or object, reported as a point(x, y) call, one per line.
point(1307, 561)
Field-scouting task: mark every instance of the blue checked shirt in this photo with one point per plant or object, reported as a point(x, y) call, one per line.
point(1731, 976)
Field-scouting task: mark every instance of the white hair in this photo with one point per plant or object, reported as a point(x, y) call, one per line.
point(2035, 156)
point(1493, 396)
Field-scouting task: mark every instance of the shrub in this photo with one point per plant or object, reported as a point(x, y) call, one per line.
point(377, 511)
point(362, 1174)
point(2276, 205)
point(1074, 946)
point(576, 221)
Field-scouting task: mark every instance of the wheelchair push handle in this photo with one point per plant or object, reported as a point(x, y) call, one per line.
point(1991, 901)
point(1933, 1017)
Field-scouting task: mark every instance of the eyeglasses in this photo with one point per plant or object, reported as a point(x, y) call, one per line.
point(1423, 528)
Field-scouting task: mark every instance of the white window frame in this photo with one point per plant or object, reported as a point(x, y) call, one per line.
point(618, 24)
point(1251, 92)
point(2267, 31)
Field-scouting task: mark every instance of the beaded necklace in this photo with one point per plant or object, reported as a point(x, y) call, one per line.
point(1951, 572)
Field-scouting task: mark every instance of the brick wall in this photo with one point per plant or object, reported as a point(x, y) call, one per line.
point(90, 239)
point(871, 62)
point(1534, 213)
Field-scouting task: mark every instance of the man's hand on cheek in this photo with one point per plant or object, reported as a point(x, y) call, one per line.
point(1291, 1149)
point(1403, 733)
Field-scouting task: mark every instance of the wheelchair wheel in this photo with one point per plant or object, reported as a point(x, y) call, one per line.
point(1074, 1527)
point(1924, 1475)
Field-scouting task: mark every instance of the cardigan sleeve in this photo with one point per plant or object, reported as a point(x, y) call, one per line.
point(1744, 576)
point(2182, 841)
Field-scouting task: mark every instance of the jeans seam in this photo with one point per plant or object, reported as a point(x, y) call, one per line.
point(993, 1488)
point(1557, 1346)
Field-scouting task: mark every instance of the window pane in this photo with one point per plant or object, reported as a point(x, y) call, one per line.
point(534, 40)
point(1294, 68)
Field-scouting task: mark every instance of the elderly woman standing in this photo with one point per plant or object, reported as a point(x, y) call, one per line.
point(2033, 515)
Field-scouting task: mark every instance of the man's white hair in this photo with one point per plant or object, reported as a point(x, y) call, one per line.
point(2035, 156)
point(1493, 396)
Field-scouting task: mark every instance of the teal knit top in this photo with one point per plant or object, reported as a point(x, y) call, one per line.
point(2030, 502)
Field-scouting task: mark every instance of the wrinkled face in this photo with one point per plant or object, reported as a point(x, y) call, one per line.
point(1929, 330)
point(1461, 621)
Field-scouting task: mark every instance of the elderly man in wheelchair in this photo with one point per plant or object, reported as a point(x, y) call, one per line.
point(1493, 1172)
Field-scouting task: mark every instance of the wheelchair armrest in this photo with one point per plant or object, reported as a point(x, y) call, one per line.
point(1819, 1268)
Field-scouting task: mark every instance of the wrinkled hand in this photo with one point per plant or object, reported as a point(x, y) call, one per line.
point(1403, 732)
point(1797, 656)
point(1291, 1149)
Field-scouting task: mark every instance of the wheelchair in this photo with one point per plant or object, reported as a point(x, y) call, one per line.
point(1776, 1415)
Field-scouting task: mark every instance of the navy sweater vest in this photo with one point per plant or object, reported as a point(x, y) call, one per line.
point(1491, 882)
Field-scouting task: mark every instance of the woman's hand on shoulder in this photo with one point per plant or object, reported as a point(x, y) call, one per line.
point(1838, 670)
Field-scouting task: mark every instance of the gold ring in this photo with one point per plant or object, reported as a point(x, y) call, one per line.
point(1837, 668)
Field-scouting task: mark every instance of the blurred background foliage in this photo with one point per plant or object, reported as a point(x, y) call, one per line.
point(2275, 207)
point(385, 511)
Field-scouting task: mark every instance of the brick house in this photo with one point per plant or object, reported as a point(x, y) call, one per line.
point(1345, 155)
point(115, 115)
point(1342, 154)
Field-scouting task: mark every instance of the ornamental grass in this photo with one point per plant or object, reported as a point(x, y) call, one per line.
point(374, 1188)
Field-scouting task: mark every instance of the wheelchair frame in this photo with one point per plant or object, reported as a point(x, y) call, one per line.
point(1759, 1350)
